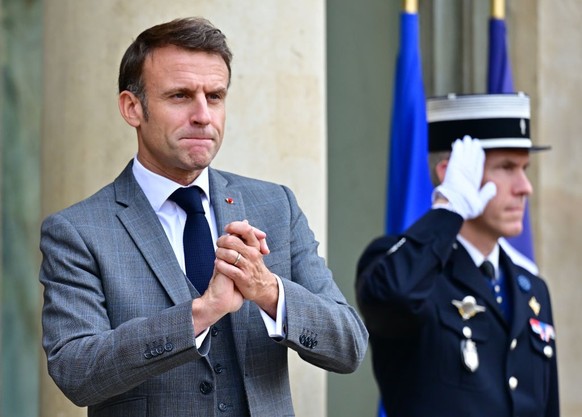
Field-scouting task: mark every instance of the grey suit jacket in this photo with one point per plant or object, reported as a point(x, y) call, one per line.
point(113, 291)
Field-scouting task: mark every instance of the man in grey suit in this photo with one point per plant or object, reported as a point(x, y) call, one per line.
point(126, 333)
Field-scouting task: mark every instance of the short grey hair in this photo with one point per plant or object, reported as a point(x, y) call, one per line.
point(434, 158)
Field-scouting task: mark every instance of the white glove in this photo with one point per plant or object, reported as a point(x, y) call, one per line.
point(462, 183)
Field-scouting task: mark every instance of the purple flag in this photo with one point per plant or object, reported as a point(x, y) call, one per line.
point(499, 80)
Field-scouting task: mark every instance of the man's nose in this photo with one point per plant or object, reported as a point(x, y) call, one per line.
point(200, 111)
point(523, 185)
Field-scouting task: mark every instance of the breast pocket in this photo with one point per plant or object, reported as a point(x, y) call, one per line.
point(543, 346)
point(462, 343)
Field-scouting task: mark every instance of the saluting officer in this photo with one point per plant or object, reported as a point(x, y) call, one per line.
point(458, 328)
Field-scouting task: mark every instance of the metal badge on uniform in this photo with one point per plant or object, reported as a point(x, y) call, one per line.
point(544, 330)
point(396, 246)
point(470, 355)
point(534, 305)
point(524, 283)
point(468, 307)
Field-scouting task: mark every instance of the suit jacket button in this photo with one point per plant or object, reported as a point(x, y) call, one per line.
point(205, 387)
point(548, 351)
point(222, 407)
point(159, 350)
point(218, 368)
point(168, 346)
point(214, 331)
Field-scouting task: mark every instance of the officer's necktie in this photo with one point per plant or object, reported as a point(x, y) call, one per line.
point(198, 246)
point(498, 287)
point(488, 270)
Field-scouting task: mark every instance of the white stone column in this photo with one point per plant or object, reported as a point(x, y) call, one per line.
point(547, 39)
point(276, 122)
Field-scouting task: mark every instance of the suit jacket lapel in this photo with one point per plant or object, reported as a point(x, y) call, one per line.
point(226, 200)
point(519, 297)
point(142, 224)
point(228, 205)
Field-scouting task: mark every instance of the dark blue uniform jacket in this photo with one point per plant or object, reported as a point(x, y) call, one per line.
point(405, 288)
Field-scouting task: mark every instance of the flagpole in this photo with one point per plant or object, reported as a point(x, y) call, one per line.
point(410, 6)
point(498, 9)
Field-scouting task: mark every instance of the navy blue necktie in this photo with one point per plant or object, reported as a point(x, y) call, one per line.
point(199, 252)
point(498, 287)
point(488, 270)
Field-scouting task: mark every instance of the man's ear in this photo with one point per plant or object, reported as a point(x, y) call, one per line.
point(441, 169)
point(130, 108)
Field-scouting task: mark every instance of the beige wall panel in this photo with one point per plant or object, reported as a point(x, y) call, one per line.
point(560, 124)
point(275, 120)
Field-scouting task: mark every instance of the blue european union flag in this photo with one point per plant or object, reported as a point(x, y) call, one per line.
point(408, 184)
point(409, 187)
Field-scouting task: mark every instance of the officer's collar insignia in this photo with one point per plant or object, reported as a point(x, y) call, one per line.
point(396, 246)
point(524, 283)
point(468, 307)
point(544, 330)
point(535, 306)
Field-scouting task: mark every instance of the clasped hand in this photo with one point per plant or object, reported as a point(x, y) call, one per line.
point(240, 272)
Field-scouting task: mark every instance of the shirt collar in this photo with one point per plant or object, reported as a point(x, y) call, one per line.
point(158, 188)
point(478, 257)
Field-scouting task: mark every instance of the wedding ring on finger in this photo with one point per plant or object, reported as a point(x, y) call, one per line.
point(237, 259)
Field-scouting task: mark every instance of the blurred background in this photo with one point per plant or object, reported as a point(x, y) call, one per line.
point(311, 107)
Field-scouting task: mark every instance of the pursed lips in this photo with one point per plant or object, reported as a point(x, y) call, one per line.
point(516, 210)
point(198, 138)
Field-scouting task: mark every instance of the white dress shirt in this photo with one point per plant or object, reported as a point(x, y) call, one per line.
point(478, 257)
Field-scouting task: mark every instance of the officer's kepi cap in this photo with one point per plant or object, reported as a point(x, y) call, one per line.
point(499, 121)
